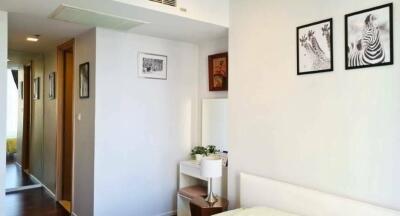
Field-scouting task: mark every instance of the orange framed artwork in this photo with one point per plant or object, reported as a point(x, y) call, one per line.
point(218, 72)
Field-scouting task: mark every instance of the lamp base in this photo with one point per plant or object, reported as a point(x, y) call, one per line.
point(211, 198)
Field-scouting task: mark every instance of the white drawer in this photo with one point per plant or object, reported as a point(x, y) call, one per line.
point(191, 169)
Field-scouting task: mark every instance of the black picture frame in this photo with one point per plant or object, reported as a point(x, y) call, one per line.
point(21, 90)
point(52, 85)
point(36, 89)
point(329, 42)
point(347, 48)
point(84, 80)
point(218, 73)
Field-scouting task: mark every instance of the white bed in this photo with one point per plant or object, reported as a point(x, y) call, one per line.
point(274, 198)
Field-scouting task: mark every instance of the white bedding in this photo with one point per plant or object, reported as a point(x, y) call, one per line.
point(256, 211)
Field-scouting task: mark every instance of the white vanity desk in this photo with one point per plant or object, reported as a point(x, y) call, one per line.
point(189, 182)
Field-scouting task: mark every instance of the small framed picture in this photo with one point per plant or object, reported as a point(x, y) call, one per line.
point(36, 88)
point(218, 72)
point(152, 66)
point(21, 90)
point(315, 47)
point(84, 80)
point(52, 85)
point(369, 37)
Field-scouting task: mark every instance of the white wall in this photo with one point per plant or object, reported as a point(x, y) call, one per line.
point(144, 127)
point(337, 132)
point(85, 51)
point(3, 102)
point(19, 58)
point(210, 11)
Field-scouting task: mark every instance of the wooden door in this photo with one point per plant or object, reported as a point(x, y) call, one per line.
point(68, 126)
point(26, 117)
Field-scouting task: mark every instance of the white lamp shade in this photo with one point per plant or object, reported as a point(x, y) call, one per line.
point(211, 168)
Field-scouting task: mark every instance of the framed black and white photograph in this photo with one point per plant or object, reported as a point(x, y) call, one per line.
point(21, 90)
point(52, 85)
point(369, 37)
point(315, 47)
point(152, 66)
point(84, 80)
point(36, 88)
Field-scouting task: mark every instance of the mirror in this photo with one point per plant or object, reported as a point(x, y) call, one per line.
point(214, 123)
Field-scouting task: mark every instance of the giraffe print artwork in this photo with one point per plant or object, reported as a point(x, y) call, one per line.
point(369, 36)
point(314, 48)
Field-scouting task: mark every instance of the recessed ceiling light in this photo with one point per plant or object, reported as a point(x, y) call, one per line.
point(33, 38)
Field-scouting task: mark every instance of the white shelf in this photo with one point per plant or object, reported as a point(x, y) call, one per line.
point(193, 191)
point(189, 175)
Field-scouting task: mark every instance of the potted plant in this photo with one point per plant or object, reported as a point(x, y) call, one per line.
point(198, 152)
point(212, 150)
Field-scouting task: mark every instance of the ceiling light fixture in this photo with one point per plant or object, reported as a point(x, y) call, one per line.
point(33, 38)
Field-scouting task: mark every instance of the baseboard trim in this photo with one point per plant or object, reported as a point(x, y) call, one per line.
point(49, 191)
point(18, 164)
point(43, 185)
point(170, 213)
point(22, 188)
point(36, 180)
point(73, 214)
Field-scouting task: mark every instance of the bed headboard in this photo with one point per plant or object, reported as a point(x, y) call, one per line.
point(258, 191)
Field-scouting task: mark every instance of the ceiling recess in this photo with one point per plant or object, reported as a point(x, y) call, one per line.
point(166, 2)
point(94, 18)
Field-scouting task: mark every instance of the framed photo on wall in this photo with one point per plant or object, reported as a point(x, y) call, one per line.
point(84, 80)
point(315, 47)
point(36, 88)
point(21, 90)
point(52, 85)
point(218, 72)
point(369, 37)
point(152, 66)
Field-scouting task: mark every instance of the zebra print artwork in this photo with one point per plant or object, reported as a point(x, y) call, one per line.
point(369, 37)
point(314, 48)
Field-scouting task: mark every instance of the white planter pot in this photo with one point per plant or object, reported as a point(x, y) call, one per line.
point(214, 156)
point(199, 157)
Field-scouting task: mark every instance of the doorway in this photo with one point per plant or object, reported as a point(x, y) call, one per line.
point(18, 177)
point(65, 123)
point(26, 97)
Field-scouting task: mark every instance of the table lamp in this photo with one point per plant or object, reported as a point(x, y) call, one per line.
point(211, 168)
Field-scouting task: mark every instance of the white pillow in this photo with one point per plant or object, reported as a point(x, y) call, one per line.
point(256, 211)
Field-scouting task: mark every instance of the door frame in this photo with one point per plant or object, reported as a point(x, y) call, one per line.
point(27, 119)
point(67, 46)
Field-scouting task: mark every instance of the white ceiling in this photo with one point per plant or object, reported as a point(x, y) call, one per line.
point(52, 32)
point(30, 17)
